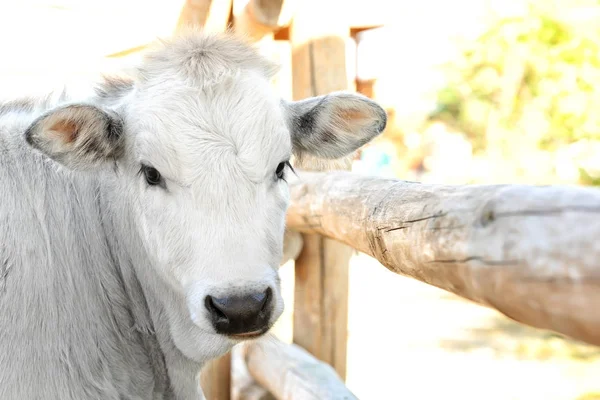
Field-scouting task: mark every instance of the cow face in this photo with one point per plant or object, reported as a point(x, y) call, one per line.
point(200, 146)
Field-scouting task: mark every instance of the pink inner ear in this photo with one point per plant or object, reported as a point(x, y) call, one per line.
point(352, 115)
point(65, 130)
point(353, 119)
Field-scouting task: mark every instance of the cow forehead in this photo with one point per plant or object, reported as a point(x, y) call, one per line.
point(193, 131)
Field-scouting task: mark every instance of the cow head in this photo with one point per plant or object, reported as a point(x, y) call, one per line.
point(199, 146)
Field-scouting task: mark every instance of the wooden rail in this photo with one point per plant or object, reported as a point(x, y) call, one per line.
point(530, 252)
point(289, 372)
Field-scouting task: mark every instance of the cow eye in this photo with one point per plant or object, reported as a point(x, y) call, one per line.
point(152, 175)
point(280, 171)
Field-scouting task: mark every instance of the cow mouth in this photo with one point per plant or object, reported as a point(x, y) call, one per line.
point(248, 335)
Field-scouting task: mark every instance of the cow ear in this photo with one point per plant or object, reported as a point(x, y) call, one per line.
point(334, 125)
point(79, 136)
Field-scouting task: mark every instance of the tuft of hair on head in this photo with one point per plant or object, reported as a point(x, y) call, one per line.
point(203, 58)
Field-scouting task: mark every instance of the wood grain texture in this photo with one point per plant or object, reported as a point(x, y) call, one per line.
point(293, 242)
point(319, 46)
point(259, 19)
point(245, 24)
point(215, 378)
point(291, 373)
point(530, 252)
point(244, 386)
point(275, 14)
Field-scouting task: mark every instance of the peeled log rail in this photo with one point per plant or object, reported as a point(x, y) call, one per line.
point(291, 373)
point(530, 252)
point(258, 19)
point(272, 13)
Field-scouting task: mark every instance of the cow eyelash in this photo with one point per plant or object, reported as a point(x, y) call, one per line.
point(280, 171)
point(151, 175)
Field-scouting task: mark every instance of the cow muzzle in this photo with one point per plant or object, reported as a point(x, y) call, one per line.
point(241, 316)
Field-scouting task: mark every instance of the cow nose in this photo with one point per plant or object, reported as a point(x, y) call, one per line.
point(245, 315)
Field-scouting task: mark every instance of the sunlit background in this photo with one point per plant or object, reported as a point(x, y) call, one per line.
point(496, 91)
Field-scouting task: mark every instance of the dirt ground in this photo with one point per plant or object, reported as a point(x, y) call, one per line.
point(408, 340)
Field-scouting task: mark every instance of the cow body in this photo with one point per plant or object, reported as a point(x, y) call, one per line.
point(78, 318)
point(141, 225)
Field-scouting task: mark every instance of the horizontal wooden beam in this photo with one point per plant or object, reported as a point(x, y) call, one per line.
point(532, 253)
point(289, 372)
point(275, 14)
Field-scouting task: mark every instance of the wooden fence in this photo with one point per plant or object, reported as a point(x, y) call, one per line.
point(530, 252)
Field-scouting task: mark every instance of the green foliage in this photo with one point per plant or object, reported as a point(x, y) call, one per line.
point(589, 396)
point(586, 179)
point(538, 75)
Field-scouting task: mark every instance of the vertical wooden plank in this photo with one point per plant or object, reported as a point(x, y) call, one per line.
point(319, 66)
point(216, 379)
point(321, 300)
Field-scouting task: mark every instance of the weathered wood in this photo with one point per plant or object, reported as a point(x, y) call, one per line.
point(321, 300)
point(318, 49)
point(209, 15)
point(319, 45)
point(275, 14)
point(292, 246)
point(245, 24)
point(215, 379)
point(530, 252)
point(243, 386)
point(290, 372)
point(259, 19)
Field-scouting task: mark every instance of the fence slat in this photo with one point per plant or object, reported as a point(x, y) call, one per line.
point(216, 378)
point(530, 252)
point(321, 283)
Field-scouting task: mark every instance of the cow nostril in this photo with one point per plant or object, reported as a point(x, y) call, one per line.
point(213, 308)
point(240, 314)
point(267, 299)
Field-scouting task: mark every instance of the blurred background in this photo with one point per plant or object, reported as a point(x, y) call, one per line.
point(477, 91)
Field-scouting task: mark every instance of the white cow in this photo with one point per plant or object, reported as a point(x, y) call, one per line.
point(141, 227)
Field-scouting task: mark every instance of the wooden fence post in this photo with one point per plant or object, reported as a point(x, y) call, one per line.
point(318, 38)
point(215, 379)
